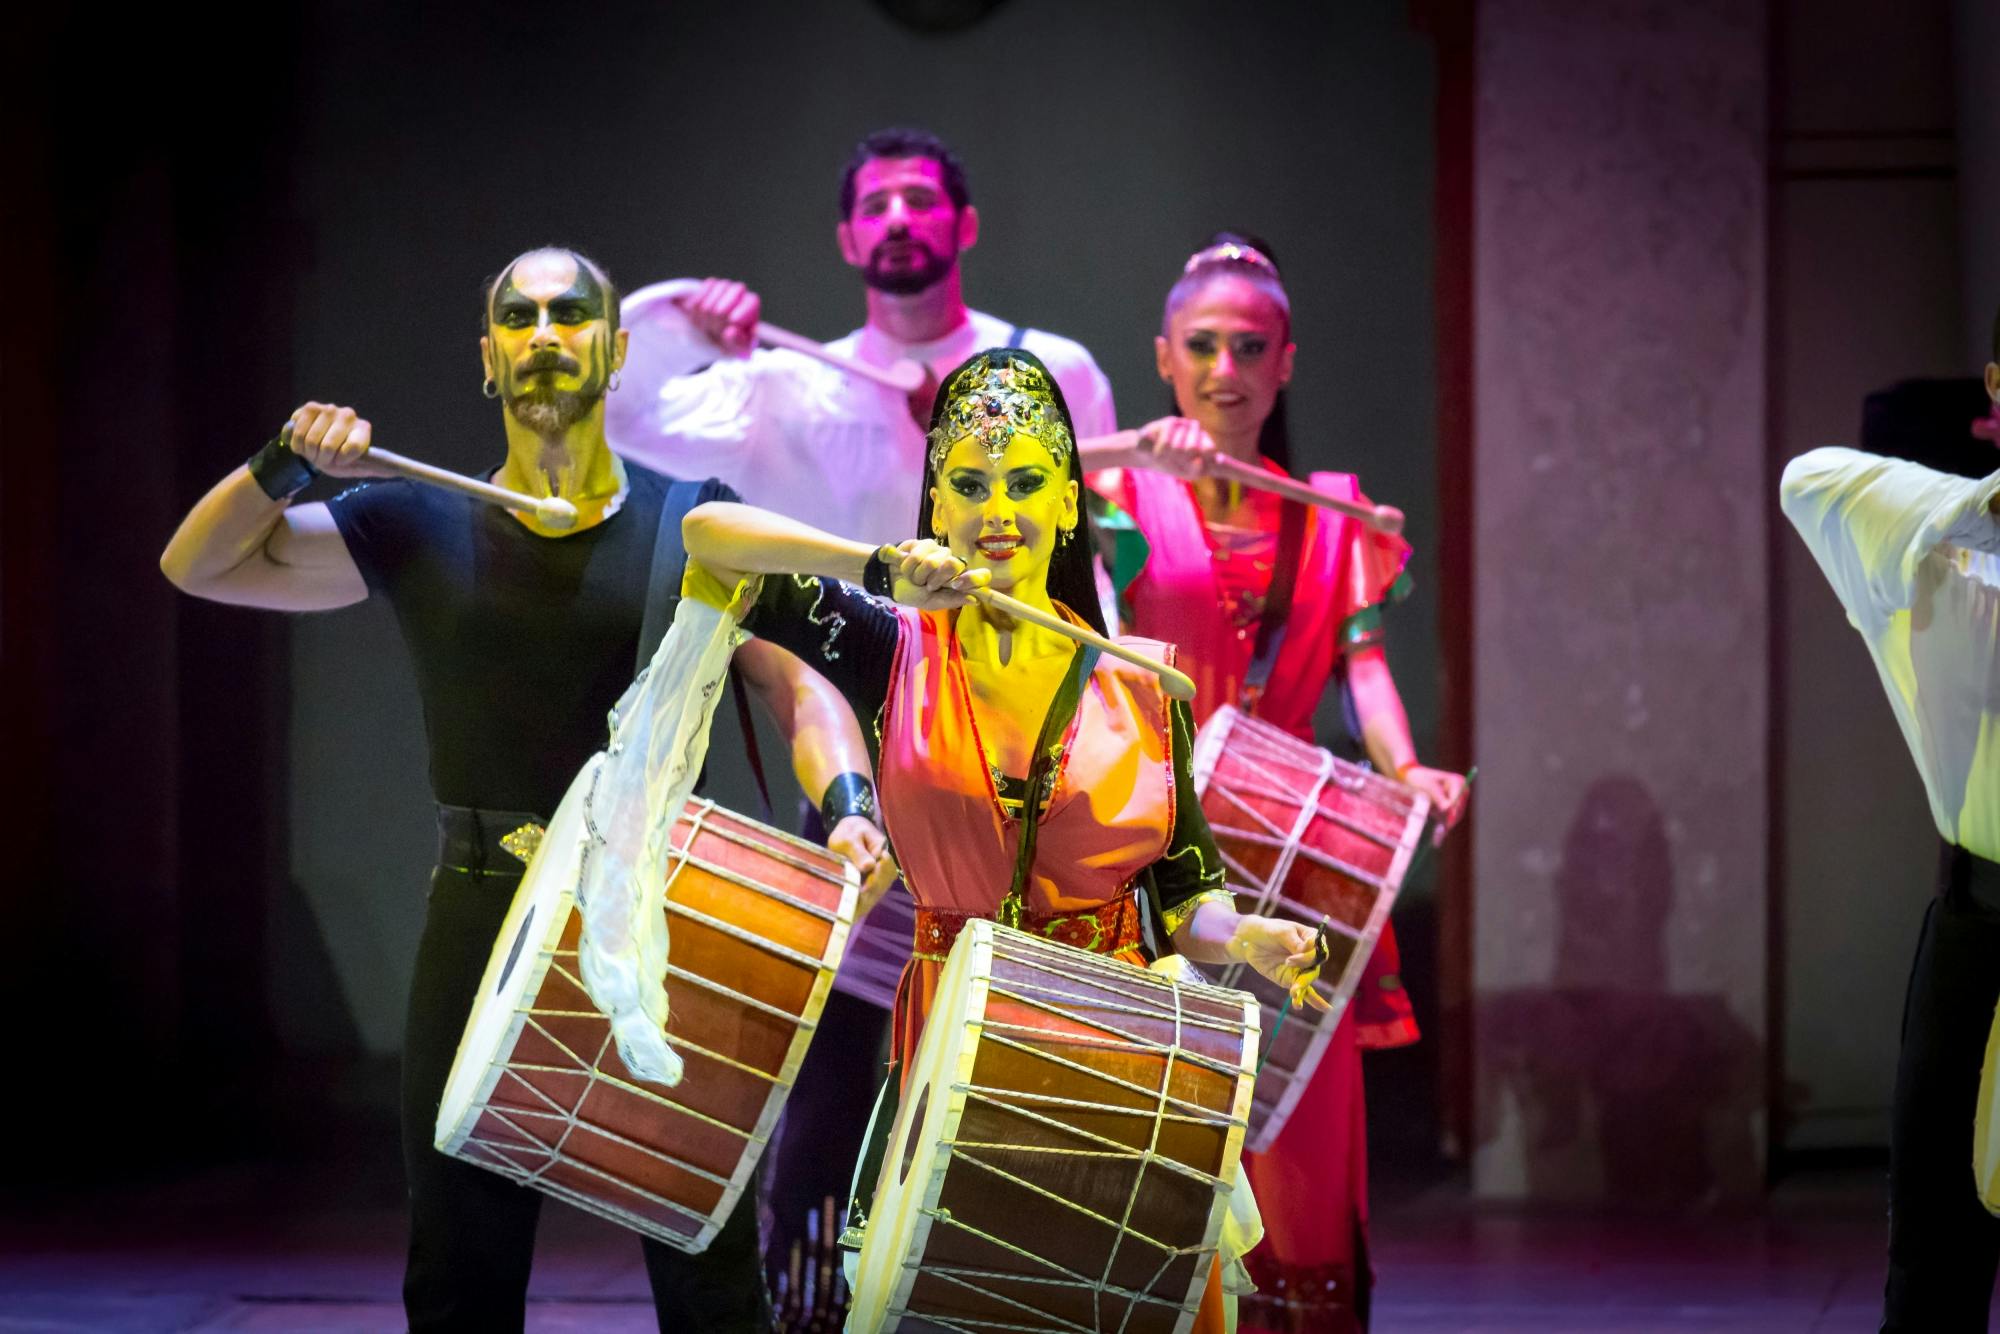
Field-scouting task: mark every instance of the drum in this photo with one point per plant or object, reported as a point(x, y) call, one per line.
point(1306, 837)
point(757, 920)
point(880, 946)
point(1065, 1150)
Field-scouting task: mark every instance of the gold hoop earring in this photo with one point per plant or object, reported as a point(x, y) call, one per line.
point(488, 388)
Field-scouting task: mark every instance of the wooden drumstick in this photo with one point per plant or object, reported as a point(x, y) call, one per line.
point(905, 376)
point(1175, 682)
point(1382, 518)
point(551, 511)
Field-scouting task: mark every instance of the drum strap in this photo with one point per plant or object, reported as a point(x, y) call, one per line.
point(1048, 754)
point(1277, 604)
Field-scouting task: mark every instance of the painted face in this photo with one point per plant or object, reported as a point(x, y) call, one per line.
point(549, 344)
point(1227, 354)
point(904, 233)
point(1004, 514)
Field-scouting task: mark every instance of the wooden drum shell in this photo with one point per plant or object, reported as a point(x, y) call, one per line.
point(757, 921)
point(1304, 836)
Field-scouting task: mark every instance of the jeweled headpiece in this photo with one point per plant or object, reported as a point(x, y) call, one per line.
point(1224, 252)
point(994, 403)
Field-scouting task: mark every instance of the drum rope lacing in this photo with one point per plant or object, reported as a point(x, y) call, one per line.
point(549, 1147)
point(1166, 1108)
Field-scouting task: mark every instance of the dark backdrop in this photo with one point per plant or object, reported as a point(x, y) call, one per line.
point(230, 841)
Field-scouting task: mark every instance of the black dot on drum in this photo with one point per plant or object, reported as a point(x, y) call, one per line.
point(916, 1129)
point(514, 953)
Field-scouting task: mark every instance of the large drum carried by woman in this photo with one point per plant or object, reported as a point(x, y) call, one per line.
point(1066, 1147)
point(539, 1092)
point(1305, 837)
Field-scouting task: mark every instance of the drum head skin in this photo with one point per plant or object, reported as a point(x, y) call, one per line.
point(912, 1175)
point(521, 956)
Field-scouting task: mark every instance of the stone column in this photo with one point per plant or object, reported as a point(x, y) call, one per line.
point(1621, 511)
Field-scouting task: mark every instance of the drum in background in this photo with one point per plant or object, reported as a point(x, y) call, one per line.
point(1065, 1148)
point(880, 946)
point(1304, 836)
point(757, 920)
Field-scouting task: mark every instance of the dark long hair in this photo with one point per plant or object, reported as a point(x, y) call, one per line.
point(1274, 438)
point(1072, 576)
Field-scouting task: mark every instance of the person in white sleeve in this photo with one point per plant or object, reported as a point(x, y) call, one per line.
point(1914, 556)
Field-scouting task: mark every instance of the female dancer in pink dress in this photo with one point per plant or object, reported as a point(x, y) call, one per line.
point(1211, 584)
point(980, 714)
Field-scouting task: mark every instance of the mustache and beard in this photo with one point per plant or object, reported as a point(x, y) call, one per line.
point(903, 267)
point(532, 395)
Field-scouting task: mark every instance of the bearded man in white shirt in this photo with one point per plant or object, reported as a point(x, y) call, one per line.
point(795, 435)
point(1914, 555)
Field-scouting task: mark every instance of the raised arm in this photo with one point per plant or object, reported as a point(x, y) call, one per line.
point(241, 545)
point(1869, 521)
point(733, 541)
point(1177, 446)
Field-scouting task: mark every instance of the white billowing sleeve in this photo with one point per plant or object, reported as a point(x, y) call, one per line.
point(1870, 521)
point(1095, 415)
point(685, 409)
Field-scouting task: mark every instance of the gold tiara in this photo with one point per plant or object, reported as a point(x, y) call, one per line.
point(993, 404)
point(1226, 251)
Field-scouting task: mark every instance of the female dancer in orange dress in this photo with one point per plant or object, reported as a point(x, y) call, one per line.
point(963, 696)
point(1210, 584)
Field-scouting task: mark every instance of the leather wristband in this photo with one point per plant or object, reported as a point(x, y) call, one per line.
point(876, 578)
point(278, 472)
point(849, 794)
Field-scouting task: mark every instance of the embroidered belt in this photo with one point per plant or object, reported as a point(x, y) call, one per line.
point(1106, 929)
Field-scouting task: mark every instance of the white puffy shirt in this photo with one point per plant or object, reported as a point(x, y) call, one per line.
point(1914, 556)
point(797, 436)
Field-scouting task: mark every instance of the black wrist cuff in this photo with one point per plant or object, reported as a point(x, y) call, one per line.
point(876, 578)
point(849, 794)
point(279, 473)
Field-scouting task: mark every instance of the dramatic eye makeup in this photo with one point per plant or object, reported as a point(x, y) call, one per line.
point(976, 485)
point(1026, 481)
point(1204, 344)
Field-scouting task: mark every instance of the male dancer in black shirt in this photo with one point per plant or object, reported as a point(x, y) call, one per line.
point(522, 638)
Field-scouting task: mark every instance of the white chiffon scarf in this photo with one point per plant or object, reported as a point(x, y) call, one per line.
point(612, 832)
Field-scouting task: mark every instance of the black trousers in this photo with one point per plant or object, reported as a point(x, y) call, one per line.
point(1943, 1245)
point(472, 1232)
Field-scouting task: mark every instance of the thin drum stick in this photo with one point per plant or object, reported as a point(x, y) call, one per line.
point(1176, 683)
point(905, 377)
point(1382, 518)
point(552, 511)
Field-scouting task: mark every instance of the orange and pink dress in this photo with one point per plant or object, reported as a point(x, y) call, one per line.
point(1119, 802)
point(1200, 591)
